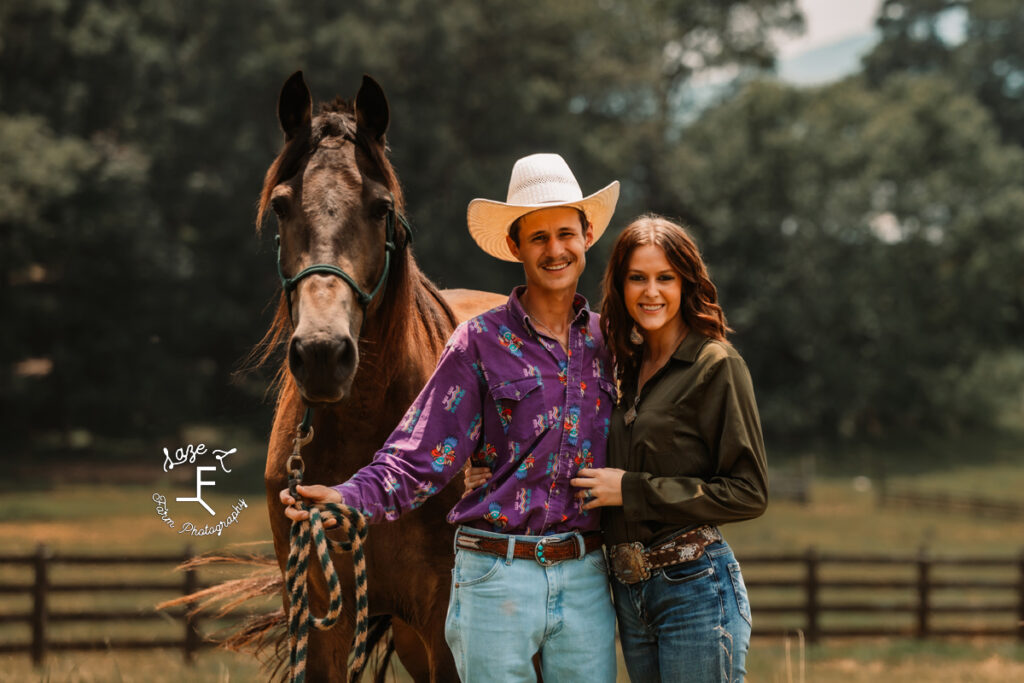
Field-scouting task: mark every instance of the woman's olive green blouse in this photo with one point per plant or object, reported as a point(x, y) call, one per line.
point(694, 454)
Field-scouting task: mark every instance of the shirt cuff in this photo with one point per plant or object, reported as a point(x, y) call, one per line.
point(634, 504)
point(349, 494)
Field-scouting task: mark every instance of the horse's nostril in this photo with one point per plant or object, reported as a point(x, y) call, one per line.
point(346, 354)
point(295, 358)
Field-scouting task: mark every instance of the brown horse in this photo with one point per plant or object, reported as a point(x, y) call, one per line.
point(362, 334)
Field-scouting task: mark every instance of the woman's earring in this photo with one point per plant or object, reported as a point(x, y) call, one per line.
point(635, 338)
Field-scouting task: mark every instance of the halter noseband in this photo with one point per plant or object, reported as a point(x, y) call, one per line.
point(289, 284)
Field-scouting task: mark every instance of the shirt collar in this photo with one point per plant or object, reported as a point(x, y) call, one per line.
point(515, 306)
point(690, 346)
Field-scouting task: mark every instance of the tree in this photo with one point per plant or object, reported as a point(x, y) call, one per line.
point(867, 245)
point(978, 44)
point(474, 85)
point(158, 121)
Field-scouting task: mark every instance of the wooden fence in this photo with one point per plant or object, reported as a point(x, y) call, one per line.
point(790, 593)
point(43, 589)
point(978, 506)
point(793, 483)
point(886, 595)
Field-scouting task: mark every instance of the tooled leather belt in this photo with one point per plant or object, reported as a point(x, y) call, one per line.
point(546, 551)
point(632, 563)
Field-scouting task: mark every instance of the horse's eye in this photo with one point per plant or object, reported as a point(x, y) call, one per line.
point(380, 210)
point(278, 206)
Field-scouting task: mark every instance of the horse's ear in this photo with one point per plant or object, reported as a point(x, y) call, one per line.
point(295, 106)
point(372, 108)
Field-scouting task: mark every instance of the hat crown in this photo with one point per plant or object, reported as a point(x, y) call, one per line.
point(542, 179)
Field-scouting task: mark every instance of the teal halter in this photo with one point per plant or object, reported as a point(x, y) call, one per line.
point(289, 284)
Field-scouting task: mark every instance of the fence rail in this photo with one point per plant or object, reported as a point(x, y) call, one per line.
point(40, 616)
point(925, 595)
point(979, 506)
point(822, 593)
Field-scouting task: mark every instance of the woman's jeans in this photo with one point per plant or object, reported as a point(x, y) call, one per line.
point(688, 622)
point(504, 610)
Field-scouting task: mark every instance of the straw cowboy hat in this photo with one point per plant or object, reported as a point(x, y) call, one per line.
point(539, 181)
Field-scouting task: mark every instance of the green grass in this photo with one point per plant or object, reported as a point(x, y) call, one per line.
point(769, 661)
point(155, 666)
point(881, 661)
point(105, 519)
point(842, 519)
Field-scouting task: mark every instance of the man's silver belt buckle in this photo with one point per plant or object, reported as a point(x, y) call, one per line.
point(538, 551)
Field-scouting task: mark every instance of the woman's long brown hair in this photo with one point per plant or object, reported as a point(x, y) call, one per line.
point(699, 306)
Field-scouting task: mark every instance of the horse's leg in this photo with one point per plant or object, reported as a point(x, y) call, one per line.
point(442, 664)
point(411, 650)
point(414, 589)
point(327, 658)
point(432, 610)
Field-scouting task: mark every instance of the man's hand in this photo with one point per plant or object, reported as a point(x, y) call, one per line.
point(475, 478)
point(601, 487)
point(313, 494)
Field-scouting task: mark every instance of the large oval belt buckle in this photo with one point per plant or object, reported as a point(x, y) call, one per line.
point(628, 562)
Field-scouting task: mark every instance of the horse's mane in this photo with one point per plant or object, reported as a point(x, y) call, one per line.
point(411, 311)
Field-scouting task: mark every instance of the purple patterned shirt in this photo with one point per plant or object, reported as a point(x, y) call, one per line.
point(509, 398)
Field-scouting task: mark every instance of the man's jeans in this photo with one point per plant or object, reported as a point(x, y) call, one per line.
point(504, 610)
point(689, 622)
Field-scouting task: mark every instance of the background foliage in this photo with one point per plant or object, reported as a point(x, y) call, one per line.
point(866, 237)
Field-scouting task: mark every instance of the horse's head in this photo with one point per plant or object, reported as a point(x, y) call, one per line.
point(337, 204)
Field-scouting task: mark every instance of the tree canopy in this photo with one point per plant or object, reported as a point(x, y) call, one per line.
point(865, 236)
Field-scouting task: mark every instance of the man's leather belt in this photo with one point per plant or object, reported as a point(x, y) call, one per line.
point(546, 551)
point(632, 563)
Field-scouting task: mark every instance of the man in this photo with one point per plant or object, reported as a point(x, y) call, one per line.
point(527, 390)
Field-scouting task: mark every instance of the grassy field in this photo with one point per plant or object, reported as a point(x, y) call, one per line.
point(768, 662)
point(71, 516)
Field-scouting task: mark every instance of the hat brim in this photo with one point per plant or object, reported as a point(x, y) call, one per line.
point(489, 220)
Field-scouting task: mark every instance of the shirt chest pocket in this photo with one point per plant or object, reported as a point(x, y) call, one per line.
point(521, 409)
point(672, 448)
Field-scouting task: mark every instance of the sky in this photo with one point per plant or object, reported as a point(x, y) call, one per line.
point(837, 33)
point(828, 21)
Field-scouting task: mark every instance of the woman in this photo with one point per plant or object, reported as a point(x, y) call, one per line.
point(685, 454)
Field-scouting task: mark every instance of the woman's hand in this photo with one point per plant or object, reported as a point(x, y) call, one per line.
point(601, 487)
point(313, 494)
point(475, 478)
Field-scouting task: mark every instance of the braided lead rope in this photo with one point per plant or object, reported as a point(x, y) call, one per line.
point(297, 572)
point(296, 578)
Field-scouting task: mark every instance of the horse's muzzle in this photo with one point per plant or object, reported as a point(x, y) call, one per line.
point(323, 366)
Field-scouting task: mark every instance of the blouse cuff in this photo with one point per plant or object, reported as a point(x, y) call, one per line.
point(634, 504)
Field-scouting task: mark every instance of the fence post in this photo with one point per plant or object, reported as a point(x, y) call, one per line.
point(881, 488)
point(191, 585)
point(812, 605)
point(807, 471)
point(39, 604)
point(1020, 606)
point(923, 592)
